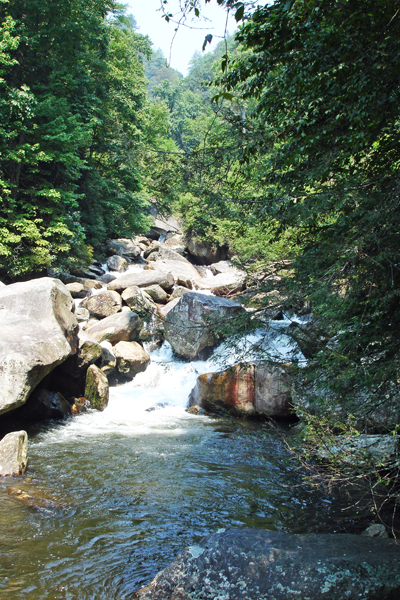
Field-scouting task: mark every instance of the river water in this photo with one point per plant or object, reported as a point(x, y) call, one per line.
point(110, 498)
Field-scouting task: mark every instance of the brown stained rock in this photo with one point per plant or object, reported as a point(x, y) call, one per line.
point(14, 453)
point(131, 358)
point(96, 388)
point(104, 304)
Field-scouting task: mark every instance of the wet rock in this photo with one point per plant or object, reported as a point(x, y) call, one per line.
point(108, 361)
point(246, 390)
point(42, 405)
point(103, 304)
point(124, 247)
point(157, 294)
point(376, 530)
point(205, 254)
point(117, 263)
point(96, 388)
point(131, 358)
point(14, 453)
point(79, 406)
point(38, 331)
point(196, 322)
point(77, 290)
point(143, 279)
point(256, 564)
point(138, 300)
point(124, 326)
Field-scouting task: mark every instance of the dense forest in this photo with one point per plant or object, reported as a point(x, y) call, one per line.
point(282, 144)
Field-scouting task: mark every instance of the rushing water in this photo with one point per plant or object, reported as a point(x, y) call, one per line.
point(111, 498)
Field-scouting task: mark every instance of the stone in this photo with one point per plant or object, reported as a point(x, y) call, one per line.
point(362, 449)
point(117, 263)
point(108, 361)
point(138, 300)
point(183, 271)
point(42, 405)
point(116, 328)
point(194, 324)
point(376, 530)
point(14, 453)
point(82, 314)
point(178, 292)
point(163, 251)
point(38, 331)
point(77, 290)
point(223, 266)
point(257, 564)
point(157, 294)
point(88, 284)
point(123, 247)
point(162, 225)
point(79, 406)
point(231, 281)
point(107, 278)
point(162, 311)
point(2, 284)
point(103, 304)
point(89, 351)
point(131, 358)
point(96, 388)
point(204, 254)
point(90, 323)
point(245, 390)
point(143, 279)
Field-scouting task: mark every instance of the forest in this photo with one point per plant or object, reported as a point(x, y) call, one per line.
point(282, 144)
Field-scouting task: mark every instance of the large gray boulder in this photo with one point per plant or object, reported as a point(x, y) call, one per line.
point(255, 564)
point(246, 390)
point(138, 300)
point(14, 453)
point(142, 279)
point(124, 247)
point(122, 327)
point(131, 358)
point(197, 322)
point(117, 263)
point(182, 270)
point(103, 304)
point(38, 331)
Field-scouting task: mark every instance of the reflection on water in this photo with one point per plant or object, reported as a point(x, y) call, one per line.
point(111, 498)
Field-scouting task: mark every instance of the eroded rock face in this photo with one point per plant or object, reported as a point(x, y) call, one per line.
point(14, 453)
point(131, 358)
point(194, 324)
point(255, 564)
point(247, 390)
point(103, 304)
point(124, 326)
point(96, 388)
point(143, 279)
point(38, 331)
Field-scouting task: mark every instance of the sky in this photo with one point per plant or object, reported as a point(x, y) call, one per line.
point(187, 41)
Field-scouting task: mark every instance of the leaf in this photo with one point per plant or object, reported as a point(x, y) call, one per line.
point(207, 40)
point(239, 13)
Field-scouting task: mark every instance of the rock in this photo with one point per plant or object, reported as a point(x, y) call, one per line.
point(362, 449)
point(138, 300)
point(107, 278)
point(79, 406)
point(131, 358)
point(117, 328)
point(246, 390)
point(223, 266)
point(204, 254)
point(96, 388)
point(123, 247)
point(103, 304)
point(2, 284)
point(175, 242)
point(162, 311)
point(195, 323)
point(178, 292)
point(142, 279)
point(90, 323)
point(42, 405)
point(163, 251)
point(14, 453)
point(38, 331)
point(157, 294)
point(82, 314)
point(88, 352)
point(162, 225)
point(376, 530)
point(117, 263)
point(108, 362)
point(183, 271)
point(88, 284)
point(77, 290)
point(232, 281)
point(256, 564)
point(142, 240)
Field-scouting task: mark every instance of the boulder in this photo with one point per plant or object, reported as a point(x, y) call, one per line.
point(108, 361)
point(103, 304)
point(77, 290)
point(96, 388)
point(42, 405)
point(131, 358)
point(157, 294)
point(117, 263)
point(117, 328)
point(142, 279)
point(82, 314)
point(123, 247)
point(376, 530)
point(14, 453)
point(138, 300)
point(246, 390)
point(183, 271)
point(362, 449)
point(178, 292)
point(88, 352)
point(38, 331)
point(107, 278)
point(162, 311)
point(257, 564)
point(162, 225)
point(197, 321)
point(88, 284)
point(205, 254)
point(163, 251)
point(230, 281)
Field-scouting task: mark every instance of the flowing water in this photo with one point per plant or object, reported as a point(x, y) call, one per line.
point(111, 498)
